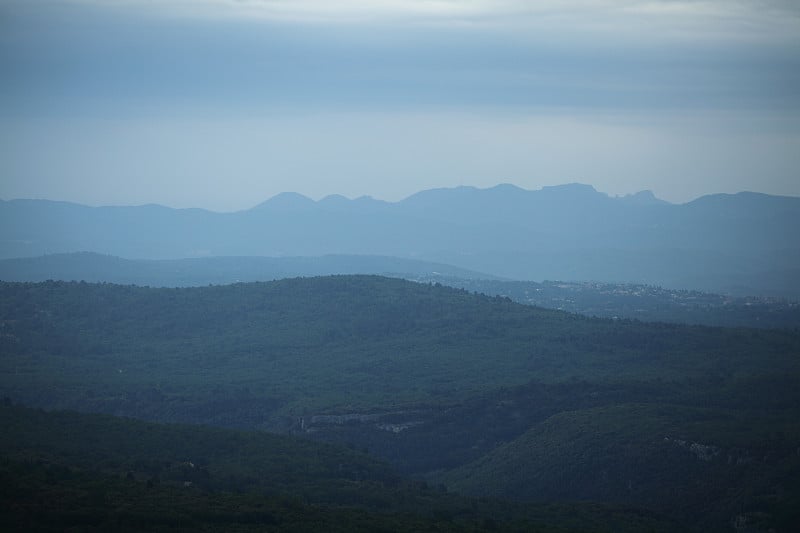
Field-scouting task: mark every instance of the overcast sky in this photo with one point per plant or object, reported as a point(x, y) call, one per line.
point(223, 103)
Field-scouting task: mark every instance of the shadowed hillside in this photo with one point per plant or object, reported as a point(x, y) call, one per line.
point(448, 385)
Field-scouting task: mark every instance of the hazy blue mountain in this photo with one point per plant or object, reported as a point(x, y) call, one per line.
point(742, 243)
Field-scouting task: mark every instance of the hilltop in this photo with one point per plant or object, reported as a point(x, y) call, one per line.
point(610, 300)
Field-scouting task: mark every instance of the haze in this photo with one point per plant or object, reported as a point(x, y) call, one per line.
point(221, 104)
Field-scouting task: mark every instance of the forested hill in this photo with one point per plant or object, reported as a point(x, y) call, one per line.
point(93, 472)
point(335, 341)
point(647, 303)
point(479, 393)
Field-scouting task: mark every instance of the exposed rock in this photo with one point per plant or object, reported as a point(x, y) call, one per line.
point(704, 452)
point(397, 428)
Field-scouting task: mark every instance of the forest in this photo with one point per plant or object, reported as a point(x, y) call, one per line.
point(444, 405)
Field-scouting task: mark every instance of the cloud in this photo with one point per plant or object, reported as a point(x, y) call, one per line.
point(231, 100)
point(174, 55)
point(653, 19)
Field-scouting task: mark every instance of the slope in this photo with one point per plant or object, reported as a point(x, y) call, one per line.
point(431, 378)
point(347, 342)
point(706, 467)
point(62, 469)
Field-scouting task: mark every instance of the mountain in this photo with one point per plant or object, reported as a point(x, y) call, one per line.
point(742, 243)
point(643, 198)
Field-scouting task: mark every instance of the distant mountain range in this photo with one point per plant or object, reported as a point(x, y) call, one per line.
point(740, 244)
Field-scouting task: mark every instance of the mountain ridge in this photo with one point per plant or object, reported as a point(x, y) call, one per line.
point(292, 195)
point(716, 243)
point(572, 187)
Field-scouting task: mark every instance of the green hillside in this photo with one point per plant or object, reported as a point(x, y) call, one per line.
point(479, 394)
point(702, 466)
point(306, 344)
point(68, 470)
point(211, 458)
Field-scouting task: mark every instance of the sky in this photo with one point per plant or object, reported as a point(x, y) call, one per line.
point(221, 104)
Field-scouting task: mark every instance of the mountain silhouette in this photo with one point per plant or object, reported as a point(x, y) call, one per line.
point(739, 243)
